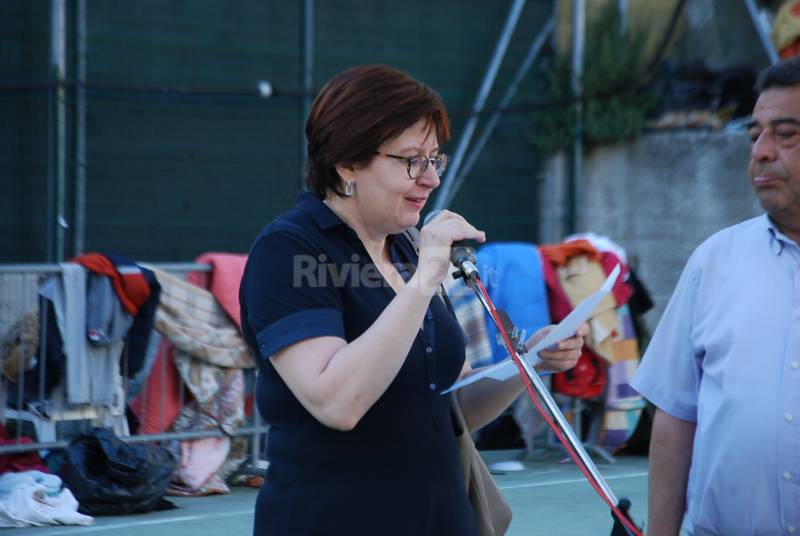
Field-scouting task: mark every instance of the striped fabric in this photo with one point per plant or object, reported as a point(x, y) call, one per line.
point(469, 312)
point(192, 319)
point(623, 405)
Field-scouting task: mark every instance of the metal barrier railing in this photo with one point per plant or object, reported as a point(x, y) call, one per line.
point(19, 284)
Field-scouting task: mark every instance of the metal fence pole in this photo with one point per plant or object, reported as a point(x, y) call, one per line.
point(80, 132)
point(623, 8)
point(533, 53)
point(755, 16)
point(444, 198)
point(578, 44)
point(57, 169)
point(308, 80)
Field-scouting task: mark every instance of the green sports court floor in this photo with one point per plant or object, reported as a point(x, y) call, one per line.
point(549, 498)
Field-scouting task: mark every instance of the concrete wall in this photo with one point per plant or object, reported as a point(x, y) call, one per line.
point(659, 198)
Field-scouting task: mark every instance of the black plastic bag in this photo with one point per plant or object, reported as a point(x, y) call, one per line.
point(109, 477)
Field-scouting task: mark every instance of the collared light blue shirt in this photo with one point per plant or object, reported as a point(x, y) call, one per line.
point(726, 355)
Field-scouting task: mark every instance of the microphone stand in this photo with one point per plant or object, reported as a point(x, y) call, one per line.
point(464, 260)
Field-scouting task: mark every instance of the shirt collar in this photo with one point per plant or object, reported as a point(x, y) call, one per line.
point(326, 218)
point(778, 240)
point(321, 213)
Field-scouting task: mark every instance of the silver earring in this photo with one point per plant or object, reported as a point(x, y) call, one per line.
point(348, 188)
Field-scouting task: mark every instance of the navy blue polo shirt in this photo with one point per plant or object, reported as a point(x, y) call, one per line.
point(397, 472)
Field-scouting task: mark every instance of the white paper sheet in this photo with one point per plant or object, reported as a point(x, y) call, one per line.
point(564, 330)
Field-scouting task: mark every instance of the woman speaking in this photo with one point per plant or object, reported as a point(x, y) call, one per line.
point(355, 343)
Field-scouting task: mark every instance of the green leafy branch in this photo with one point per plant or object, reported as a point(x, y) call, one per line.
point(615, 103)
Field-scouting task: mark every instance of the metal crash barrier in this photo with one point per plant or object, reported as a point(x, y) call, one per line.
point(30, 406)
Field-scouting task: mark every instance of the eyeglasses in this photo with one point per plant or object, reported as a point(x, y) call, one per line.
point(417, 164)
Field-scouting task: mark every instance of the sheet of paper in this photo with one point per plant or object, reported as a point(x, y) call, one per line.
point(565, 329)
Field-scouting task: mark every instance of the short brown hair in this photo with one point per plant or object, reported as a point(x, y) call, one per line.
point(359, 109)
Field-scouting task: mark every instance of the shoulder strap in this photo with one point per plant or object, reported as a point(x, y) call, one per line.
point(412, 235)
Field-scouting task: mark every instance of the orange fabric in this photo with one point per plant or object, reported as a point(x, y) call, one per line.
point(626, 349)
point(223, 281)
point(559, 254)
point(132, 290)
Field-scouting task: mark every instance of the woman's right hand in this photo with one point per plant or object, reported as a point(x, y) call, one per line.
point(436, 239)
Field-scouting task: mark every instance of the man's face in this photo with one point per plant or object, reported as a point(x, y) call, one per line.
point(775, 155)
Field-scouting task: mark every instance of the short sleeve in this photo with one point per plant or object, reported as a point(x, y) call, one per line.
point(670, 373)
point(286, 293)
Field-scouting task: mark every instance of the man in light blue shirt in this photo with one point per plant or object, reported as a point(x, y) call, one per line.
point(723, 367)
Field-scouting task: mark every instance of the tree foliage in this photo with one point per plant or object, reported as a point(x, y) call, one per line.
point(614, 101)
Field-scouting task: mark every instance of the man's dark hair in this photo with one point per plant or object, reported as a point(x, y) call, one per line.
point(785, 73)
point(358, 110)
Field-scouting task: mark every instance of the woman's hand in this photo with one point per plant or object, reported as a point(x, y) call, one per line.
point(562, 355)
point(436, 238)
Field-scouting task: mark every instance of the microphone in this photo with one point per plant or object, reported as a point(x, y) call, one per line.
point(462, 254)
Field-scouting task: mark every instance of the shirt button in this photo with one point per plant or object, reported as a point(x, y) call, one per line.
point(428, 350)
point(790, 529)
point(433, 388)
point(789, 417)
point(795, 365)
point(787, 475)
